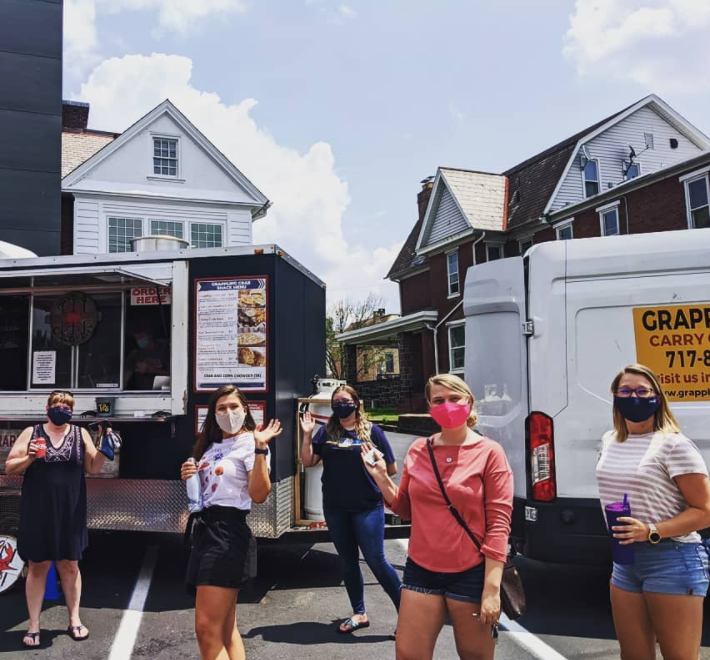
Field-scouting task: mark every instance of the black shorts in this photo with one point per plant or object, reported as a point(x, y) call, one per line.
point(223, 549)
point(466, 586)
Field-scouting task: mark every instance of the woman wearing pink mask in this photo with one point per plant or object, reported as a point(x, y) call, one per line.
point(446, 574)
point(233, 463)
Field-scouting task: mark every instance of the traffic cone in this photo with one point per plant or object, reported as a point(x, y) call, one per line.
point(51, 589)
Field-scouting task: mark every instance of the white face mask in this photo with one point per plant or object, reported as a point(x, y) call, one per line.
point(231, 422)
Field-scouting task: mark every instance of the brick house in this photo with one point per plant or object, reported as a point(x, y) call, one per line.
point(467, 218)
point(160, 177)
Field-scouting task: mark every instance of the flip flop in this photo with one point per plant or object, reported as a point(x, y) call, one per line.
point(34, 636)
point(353, 626)
point(75, 633)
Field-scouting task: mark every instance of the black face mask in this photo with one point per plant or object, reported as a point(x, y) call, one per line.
point(59, 416)
point(635, 409)
point(343, 409)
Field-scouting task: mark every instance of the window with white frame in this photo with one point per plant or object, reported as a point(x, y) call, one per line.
point(565, 233)
point(591, 178)
point(206, 235)
point(121, 231)
point(609, 219)
point(493, 252)
point(452, 268)
point(632, 170)
point(166, 228)
point(457, 347)
point(525, 244)
point(698, 202)
point(165, 156)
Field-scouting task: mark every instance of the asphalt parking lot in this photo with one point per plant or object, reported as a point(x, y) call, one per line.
point(136, 606)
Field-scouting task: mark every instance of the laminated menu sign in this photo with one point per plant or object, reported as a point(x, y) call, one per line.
point(230, 330)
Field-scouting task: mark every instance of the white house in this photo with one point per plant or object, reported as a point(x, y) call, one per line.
point(161, 177)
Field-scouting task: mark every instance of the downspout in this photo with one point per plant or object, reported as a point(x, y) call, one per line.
point(435, 329)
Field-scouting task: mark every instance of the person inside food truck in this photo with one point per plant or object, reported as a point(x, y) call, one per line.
point(146, 358)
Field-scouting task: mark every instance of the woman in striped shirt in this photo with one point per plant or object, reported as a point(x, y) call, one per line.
point(659, 596)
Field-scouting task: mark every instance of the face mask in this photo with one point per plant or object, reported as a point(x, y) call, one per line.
point(450, 415)
point(143, 342)
point(343, 409)
point(634, 409)
point(59, 416)
point(231, 422)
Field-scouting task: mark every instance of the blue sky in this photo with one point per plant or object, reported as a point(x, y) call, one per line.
point(337, 110)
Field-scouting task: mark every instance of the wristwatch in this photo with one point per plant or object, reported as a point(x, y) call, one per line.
point(654, 536)
point(265, 452)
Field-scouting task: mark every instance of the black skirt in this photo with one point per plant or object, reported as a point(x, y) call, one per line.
point(223, 550)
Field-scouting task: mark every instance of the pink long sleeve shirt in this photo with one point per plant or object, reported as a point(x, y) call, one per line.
point(479, 483)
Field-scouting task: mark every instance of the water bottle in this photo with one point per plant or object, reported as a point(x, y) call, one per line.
point(194, 491)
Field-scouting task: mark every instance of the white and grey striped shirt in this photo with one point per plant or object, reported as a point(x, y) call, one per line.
point(644, 466)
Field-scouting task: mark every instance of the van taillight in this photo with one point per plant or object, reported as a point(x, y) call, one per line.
point(542, 457)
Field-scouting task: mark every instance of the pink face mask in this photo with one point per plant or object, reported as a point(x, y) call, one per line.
point(450, 415)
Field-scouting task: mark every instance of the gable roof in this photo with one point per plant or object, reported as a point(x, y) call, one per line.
point(189, 129)
point(533, 183)
point(78, 147)
point(408, 260)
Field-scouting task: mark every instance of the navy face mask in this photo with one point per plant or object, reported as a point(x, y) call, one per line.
point(635, 409)
point(343, 409)
point(59, 416)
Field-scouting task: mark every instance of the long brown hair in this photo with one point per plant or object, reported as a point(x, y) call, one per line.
point(210, 431)
point(663, 419)
point(455, 384)
point(335, 429)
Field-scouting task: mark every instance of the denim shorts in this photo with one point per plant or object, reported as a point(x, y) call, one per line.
point(466, 586)
point(666, 568)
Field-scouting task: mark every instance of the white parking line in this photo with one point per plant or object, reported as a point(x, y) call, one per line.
point(125, 639)
point(521, 636)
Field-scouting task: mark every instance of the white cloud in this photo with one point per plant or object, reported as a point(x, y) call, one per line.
point(80, 39)
point(660, 44)
point(455, 112)
point(347, 12)
point(309, 197)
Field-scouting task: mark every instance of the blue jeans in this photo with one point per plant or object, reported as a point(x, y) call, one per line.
point(364, 530)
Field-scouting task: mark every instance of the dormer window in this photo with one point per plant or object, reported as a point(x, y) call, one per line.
point(165, 156)
point(591, 178)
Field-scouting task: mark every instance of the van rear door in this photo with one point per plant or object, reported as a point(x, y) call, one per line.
point(496, 357)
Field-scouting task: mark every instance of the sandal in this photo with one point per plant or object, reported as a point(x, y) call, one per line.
point(75, 633)
point(352, 626)
point(34, 636)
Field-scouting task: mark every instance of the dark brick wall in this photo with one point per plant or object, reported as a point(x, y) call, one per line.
point(415, 293)
point(31, 123)
point(75, 116)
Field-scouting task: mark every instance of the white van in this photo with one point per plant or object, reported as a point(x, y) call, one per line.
point(545, 336)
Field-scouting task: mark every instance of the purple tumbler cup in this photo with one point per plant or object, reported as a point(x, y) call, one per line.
point(621, 554)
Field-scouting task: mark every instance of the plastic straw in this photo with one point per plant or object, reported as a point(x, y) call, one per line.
point(626, 500)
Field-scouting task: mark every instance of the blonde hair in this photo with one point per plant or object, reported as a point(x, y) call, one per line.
point(362, 426)
point(60, 396)
point(663, 419)
point(455, 384)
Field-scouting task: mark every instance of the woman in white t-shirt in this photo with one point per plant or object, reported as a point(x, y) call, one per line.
point(233, 463)
point(659, 596)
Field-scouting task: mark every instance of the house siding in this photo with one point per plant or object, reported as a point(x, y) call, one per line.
point(448, 221)
point(612, 149)
point(87, 227)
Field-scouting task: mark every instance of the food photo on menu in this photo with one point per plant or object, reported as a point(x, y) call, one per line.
point(252, 328)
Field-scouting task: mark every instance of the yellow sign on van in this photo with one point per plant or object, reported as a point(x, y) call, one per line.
point(675, 343)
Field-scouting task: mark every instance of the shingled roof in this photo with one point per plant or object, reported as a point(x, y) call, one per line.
point(532, 182)
point(408, 259)
point(78, 147)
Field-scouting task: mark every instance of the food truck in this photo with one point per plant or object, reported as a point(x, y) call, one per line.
point(142, 339)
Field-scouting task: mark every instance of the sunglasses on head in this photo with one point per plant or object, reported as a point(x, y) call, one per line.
point(66, 392)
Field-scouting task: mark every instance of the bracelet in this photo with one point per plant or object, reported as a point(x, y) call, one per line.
point(263, 452)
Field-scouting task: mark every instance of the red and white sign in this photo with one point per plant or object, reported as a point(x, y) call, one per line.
point(148, 295)
point(10, 563)
point(7, 440)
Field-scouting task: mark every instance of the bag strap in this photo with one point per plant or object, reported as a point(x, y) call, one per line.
point(452, 508)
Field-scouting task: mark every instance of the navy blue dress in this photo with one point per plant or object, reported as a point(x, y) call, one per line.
point(53, 504)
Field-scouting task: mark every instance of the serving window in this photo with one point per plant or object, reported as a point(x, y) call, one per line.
point(98, 337)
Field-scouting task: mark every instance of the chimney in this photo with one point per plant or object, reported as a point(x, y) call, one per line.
point(424, 195)
point(75, 116)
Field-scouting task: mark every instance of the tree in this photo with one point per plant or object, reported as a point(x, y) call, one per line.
point(345, 315)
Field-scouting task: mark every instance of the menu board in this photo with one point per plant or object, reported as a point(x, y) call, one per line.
point(231, 333)
point(256, 408)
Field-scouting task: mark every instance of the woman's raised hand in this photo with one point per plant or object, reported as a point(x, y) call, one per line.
point(187, 469)
point(265, 435)
point(308, 423)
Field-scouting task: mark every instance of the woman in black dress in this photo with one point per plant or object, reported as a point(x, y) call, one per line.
point(53, 507)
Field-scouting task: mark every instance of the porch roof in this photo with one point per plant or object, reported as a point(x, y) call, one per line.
point(387, 330)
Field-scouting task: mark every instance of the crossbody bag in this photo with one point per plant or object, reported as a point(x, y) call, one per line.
point(512, 594)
